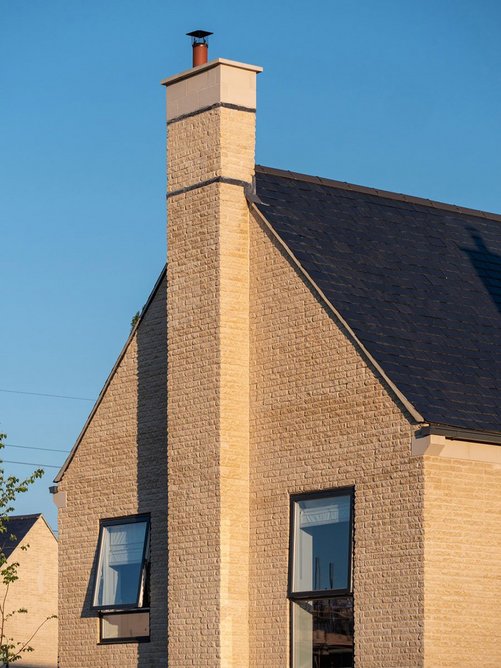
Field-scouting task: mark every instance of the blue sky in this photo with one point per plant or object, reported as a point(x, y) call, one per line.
point(397, 94)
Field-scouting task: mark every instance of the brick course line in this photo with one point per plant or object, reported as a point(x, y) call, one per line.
point(208, 182)
point(217, 105)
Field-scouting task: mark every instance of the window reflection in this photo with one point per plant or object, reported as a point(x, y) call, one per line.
point(120, 626)
point(323, 633)
point(121, 568)
point(320, 580)
point(322, 543)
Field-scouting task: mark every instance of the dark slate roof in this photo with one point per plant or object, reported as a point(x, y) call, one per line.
point(418, 282)
point(18, 526)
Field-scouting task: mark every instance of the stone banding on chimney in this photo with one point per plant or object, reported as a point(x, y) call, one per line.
point(226, 105)
point(217, 82)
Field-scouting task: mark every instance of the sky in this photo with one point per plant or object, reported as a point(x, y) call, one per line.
point(402, 95)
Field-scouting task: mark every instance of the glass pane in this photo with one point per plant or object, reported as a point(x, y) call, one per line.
point(120, 570)
point(125, 625)
point(322, 544)
point(323, 633)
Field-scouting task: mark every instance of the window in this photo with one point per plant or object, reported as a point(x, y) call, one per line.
point(124, 626)
point(320, 588)
point(121, 586)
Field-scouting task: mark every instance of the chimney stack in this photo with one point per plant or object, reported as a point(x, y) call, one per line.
point(210, 160)
point(200, 46)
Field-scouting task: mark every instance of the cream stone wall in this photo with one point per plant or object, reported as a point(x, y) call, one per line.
point(462, 522)
point(321, 419)
point(215, 143)
point(217, 81)
point(35, 590)
point(120, 468)
point(208, 400)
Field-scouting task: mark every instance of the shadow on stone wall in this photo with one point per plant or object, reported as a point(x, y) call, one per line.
point(151, 472)
point(26, 665)
point(152, 466)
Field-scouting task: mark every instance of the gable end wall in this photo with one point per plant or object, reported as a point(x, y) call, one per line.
point(321, 419)
point(36, 590)
point(120, 468)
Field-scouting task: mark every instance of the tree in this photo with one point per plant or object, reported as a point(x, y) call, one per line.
point(12, 650)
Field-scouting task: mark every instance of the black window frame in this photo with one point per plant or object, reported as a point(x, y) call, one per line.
point(128, 639)
point(124, 607)
point(295, 597)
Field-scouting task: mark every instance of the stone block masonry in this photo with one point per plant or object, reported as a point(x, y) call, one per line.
point(320, 419)
point(462, 525)
point(35, 590)
point(120, 468)
point(208, 399)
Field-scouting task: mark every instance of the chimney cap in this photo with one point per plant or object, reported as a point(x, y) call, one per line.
point(199, 34)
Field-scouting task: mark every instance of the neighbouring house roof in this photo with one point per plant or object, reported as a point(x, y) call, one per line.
point(418, 282)
point(18, 526)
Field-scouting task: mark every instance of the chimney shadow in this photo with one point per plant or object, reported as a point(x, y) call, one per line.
point(487, 266)
point(152, 464)
point(151, 337)
point(86, 610)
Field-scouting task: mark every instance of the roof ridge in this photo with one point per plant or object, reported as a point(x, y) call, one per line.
point(22, 517)
point(387, 194)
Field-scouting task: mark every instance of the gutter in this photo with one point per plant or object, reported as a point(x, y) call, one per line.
point(460, 434)
point(456, 443)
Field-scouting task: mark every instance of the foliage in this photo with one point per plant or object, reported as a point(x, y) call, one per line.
point(10, 487)
point(134, 320)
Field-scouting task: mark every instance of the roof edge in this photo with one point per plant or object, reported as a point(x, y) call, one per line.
point(387, 194)
point(48, 527)
point(193, 71)
point(120, 357)
point(410, 408)
point(460, 433)
point(36, 517)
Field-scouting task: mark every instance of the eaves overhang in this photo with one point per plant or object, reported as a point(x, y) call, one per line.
point(457, 443)
point(459, 434)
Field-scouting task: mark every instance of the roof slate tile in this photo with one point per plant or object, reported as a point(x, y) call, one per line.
point(419, 283)
point(18, 526)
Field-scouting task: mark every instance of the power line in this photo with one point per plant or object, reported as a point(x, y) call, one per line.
point(32, 447)
point(48, 466)
point(42, 394)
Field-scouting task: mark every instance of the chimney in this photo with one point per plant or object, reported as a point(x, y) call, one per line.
point(210, 160)
point(200, 46)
